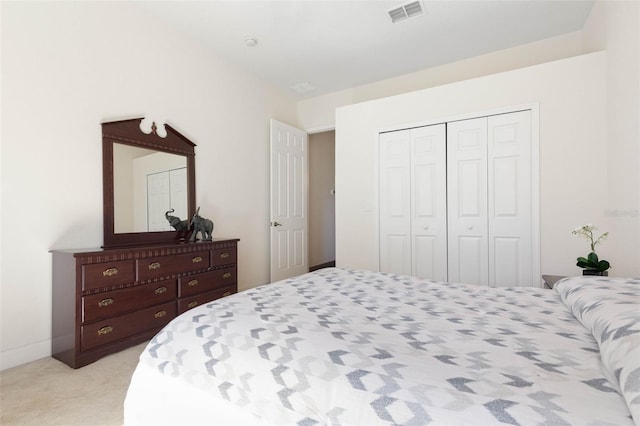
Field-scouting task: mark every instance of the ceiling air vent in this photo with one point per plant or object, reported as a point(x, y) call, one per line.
point(406, 11)
point(303, 87)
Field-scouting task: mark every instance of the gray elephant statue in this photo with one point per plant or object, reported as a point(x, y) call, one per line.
point(202, 225)
point(176, 223)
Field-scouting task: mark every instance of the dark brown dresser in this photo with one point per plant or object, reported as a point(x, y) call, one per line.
point(105, 300)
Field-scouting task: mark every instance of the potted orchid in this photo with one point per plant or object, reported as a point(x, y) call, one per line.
point(591, 265)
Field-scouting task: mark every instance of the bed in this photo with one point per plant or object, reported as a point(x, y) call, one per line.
point(349, 347)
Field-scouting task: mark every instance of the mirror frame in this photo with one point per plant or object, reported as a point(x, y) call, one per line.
point(128, 132)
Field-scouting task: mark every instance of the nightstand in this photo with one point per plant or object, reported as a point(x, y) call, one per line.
point(550, 280)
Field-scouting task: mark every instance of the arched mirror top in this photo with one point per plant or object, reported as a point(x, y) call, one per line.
point(148, 174)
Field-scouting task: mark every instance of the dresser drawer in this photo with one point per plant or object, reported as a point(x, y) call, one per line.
point(99, 275)
point(116, 302)
point(107, 331)
point(167, 266)
point(207, 281)
point(223, 256)
point(202, 298)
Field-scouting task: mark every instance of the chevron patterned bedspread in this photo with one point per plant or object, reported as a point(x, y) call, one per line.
point(348, 347)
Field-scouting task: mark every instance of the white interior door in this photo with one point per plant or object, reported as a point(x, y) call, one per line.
point(289, 204)
point(467, 201)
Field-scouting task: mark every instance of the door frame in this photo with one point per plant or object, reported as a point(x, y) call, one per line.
point(534, 107)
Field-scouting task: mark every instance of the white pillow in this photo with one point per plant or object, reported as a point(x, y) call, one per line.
point(610, 309)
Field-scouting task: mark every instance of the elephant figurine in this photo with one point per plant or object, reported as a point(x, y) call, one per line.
point(202, 225)
point(176, 223)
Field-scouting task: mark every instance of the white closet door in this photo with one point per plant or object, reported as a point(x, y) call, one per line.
point(179, 196)
point(468, 256)
point(456, 201)
point(395, 202)
point(158, 201)
point(429, 202)
point(509, 200)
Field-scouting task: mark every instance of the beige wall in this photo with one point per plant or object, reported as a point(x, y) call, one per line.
point(570, 94)
point(614, 27)
point(322, 218)
point(66, 67)
point(319, 112)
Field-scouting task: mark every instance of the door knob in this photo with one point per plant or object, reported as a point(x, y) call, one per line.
point(276, 224)
point(470, 227)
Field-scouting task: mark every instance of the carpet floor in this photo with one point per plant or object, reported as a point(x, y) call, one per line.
point(48, 392)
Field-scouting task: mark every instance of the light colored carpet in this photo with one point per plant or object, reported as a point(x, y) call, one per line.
point(48, 392)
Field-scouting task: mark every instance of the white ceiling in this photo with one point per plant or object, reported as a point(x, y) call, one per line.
point(333, 45)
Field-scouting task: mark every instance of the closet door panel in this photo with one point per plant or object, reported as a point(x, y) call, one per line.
point(396, 255)
point(428, 202)
point(505, 253)
point(159, 201)
point(467, 201)
point(425, 250)
point(395, 202)
point(472, 250)
point(509, 199)
point(471, 174)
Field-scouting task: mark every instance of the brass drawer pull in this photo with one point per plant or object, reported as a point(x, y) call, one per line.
point(160, 290)
point(105, 330)
point(154, 265)
point(110, 272)
point(226, 293)
point(192, 283)
point(196, 259)
point(226, 275)
point(105, 302)
point(160, 314)
point(224, 255)
point(192, 305)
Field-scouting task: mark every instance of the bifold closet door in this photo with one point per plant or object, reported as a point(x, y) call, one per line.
point(413, 232)
point(489, 200)
point(395, 202)
point(456, 201)
point(429, 202)
point(510, 204)
point(468, 251)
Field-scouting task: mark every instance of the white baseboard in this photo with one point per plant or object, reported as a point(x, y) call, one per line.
point(24, 354)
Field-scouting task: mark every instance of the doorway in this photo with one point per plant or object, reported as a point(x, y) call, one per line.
point(322, 217)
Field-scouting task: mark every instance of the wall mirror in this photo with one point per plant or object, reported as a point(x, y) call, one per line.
point(148, 170)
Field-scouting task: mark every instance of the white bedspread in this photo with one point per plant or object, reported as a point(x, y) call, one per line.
point(361, 348)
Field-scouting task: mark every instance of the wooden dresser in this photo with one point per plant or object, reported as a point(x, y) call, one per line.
point(105, 300)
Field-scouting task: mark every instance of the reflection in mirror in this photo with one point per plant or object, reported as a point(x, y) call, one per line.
point(147, 184)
